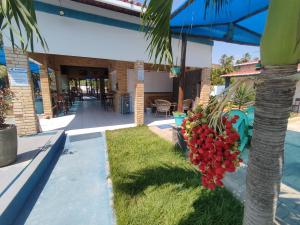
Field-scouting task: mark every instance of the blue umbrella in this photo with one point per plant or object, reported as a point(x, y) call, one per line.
point(240, 21)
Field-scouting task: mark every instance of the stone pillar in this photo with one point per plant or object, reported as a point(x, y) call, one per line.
point(205, 86)
point(139, 94)
point(23, 103)
point(45, 88)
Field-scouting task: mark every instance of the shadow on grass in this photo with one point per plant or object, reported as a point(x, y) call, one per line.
point(215, 207)
point(159, 176)
point(210, 207)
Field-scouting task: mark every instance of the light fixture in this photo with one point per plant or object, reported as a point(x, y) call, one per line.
point(61, 11)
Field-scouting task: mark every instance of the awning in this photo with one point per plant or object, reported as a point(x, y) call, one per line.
point(239, 21)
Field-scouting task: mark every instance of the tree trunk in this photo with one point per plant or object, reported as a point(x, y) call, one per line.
point(182, 74)
point(273, 103)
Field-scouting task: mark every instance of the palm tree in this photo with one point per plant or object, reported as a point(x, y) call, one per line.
point(19, 19)
point(280, 54)
point(245, 58)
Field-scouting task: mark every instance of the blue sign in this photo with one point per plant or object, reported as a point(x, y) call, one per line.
point(18, 77)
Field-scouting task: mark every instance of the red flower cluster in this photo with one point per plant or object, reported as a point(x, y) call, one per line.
point(213, 152)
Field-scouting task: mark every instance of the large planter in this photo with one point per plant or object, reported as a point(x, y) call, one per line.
point(8, 145)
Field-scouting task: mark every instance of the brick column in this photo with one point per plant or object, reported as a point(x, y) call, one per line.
point(23, 103)
point(139, 94)
point(45, 88)
point(205, 86)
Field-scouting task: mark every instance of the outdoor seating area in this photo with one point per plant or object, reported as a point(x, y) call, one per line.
point(161, 106)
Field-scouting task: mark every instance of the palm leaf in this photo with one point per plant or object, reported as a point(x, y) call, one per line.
point(156, 24)
point(219, 104)
point(18, 16)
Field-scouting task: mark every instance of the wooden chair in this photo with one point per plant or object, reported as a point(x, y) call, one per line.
point(109, 102)
point(163, 106)
point(187, 104)
point(296, 105)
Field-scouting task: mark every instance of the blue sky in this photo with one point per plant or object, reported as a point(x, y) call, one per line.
point(221, 48)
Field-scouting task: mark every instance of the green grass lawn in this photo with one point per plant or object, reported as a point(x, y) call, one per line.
point(153, 184)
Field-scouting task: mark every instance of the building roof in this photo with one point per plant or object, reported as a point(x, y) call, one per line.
point(244, 73)
point(129, 7)
point(247, 63)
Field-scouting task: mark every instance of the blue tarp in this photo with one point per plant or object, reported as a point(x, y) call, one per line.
point(239, 21)
point(34, 68)
point(2, 57)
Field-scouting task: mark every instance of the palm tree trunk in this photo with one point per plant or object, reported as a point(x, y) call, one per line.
point(273, 103)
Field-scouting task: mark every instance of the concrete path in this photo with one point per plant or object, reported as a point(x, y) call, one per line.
point(77, 190)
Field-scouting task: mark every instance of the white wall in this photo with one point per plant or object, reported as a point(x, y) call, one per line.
point(68, 36)
point(217, 89)
point(153, 82)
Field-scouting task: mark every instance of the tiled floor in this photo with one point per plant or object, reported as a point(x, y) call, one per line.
point(91, 117)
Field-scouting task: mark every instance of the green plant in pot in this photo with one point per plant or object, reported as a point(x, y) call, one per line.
point(179, 117)
point(8, 133)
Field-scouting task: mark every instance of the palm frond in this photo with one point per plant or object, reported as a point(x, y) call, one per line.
point(18, 16)
point(156, 24)
point(219, 104)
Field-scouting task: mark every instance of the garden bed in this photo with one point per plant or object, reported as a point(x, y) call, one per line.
point(153, 184)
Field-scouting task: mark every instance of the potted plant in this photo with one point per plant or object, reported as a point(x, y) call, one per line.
point(8, 133)
point(179, 117)
point(175, 71)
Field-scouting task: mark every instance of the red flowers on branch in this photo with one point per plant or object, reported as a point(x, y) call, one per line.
point(213, 151)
